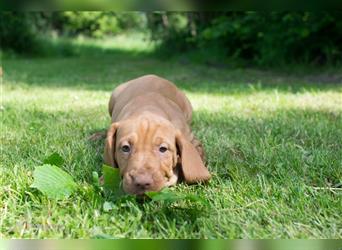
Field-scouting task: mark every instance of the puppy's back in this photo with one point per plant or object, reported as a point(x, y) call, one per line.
point(145, 85)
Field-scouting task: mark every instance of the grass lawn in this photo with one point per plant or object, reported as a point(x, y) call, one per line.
point(273, 141)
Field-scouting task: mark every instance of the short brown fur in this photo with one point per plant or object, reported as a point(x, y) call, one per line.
point(148, 115)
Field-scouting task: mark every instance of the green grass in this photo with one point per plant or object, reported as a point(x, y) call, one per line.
point(272, 139)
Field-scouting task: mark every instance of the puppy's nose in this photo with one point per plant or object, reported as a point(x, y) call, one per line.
point(143, 181)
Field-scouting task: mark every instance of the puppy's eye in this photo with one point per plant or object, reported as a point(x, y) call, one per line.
point(162, 149)
point(126, 148)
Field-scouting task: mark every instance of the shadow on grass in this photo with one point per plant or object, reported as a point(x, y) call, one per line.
point(288, 145)
point(91, 67)
point(297, 145)
point(167, 215)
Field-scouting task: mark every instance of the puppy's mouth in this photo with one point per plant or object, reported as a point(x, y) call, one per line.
point(141, 191)
point(132, 190)
point(140, 194)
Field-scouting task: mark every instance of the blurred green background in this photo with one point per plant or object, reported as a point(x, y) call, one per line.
point(313, 38)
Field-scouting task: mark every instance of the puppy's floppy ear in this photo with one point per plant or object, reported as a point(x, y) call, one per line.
point(192, 165)
point(110, 145)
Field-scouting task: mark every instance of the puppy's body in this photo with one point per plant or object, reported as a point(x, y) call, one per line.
point(148, 115)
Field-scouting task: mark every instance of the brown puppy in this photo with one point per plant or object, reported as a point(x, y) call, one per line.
point(150, 139)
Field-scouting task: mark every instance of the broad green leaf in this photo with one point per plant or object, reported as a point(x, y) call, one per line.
point(170, 196)
point(54, 182)
point(152, 194)
point(54, 159)
point(195, 198)
point(164, 196)
point(112, 180)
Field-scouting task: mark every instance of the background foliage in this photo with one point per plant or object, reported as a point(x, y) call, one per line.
point(263, 38)
point(22, 32)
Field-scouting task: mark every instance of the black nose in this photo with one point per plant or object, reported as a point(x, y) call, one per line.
point(142, 181)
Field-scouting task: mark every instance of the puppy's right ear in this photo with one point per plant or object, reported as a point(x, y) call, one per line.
point(192, 165)
point(110, 146)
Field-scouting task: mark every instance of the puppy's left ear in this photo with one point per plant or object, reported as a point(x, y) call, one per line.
point(110, 146)
point(192, 165)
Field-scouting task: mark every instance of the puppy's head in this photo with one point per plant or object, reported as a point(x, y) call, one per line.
point(147, 150)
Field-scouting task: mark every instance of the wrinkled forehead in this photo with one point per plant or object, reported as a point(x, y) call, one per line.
point(146, 130)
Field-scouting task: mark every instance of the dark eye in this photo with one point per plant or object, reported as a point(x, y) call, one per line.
point(162, 149)
point(126, 148)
